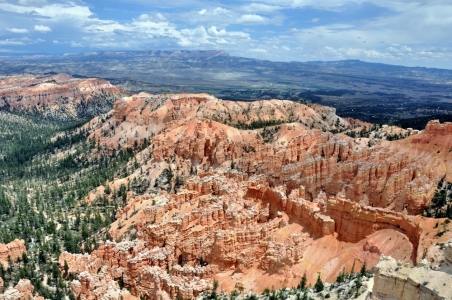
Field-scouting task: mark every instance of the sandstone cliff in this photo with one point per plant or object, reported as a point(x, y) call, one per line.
point(57, 97)
point(12, 251)
point(394, 280)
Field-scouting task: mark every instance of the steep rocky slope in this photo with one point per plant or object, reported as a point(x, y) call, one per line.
point(253, 195)
point(433, 146)
point(57, 97)
point(394, 280)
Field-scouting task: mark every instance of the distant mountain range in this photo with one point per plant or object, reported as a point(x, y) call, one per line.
point(370, 91)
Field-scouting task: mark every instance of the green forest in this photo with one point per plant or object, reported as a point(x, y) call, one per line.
point(45, 170)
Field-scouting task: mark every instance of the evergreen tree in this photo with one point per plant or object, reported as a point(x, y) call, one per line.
point(302, 284)
point(318, 287)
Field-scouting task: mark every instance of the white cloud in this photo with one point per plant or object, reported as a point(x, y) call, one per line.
point(252, 19)
point(259, 50)
point(403, 29)
point(32, 2)
point(222, 33)
point(260, 8)
point(17, 30)
point(406, 49)
point(337, 5)
point(42, 28)
point(76, 44)
point(20, 41)
point(147, 17)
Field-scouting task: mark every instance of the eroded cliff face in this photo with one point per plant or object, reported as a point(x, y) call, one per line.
point(259, 207)
point(12, 251)
point(232, 223)
point(57, 97)
point(433, 146)
point(395, 280)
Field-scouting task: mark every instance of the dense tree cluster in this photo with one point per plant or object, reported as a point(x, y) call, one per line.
point(46, 171)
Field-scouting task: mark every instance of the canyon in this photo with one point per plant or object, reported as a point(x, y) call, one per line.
point(251, 195)
point(259, 207)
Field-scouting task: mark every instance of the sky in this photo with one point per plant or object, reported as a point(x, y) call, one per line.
point(400, 32)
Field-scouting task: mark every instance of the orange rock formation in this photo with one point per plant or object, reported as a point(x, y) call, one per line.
point(12, 250)
point(297, 199)
point(57, 96)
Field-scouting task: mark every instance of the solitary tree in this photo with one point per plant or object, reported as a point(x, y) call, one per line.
point(302, 284)
point(318, 287)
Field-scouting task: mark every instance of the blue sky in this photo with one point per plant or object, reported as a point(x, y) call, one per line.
point(402, 32)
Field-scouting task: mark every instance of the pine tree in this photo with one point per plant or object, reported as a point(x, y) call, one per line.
point(303, 282)
point(318, 287)
point(66, 268)
point(363, 270)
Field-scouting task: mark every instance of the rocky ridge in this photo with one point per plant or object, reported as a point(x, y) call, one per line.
point(57, 97)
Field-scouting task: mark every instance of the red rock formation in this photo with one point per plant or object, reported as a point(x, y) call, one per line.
point(432, 146)
point(12, 250)
point(57, 96)
point(298, 198)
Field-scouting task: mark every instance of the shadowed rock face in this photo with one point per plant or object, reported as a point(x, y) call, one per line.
point(297, 198)
point(57, 97)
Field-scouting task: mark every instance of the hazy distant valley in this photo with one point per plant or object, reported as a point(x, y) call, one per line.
point(371, 92)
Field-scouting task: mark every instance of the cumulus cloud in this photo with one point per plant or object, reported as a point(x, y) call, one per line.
point(260, 8)
point(222, 33)
point(42, 28)
point(147, 17)
point(251, 19)
point(76, 44)
point(20, 41)
point(259, 50)
point(400, 30)
point(17, 30)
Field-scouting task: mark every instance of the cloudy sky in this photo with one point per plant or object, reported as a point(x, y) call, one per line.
point(403, 32)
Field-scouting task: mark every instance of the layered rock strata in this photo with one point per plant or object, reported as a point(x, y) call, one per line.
point(394, 280)
point(57, 97)
point(229, 221)
point(12, 251)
